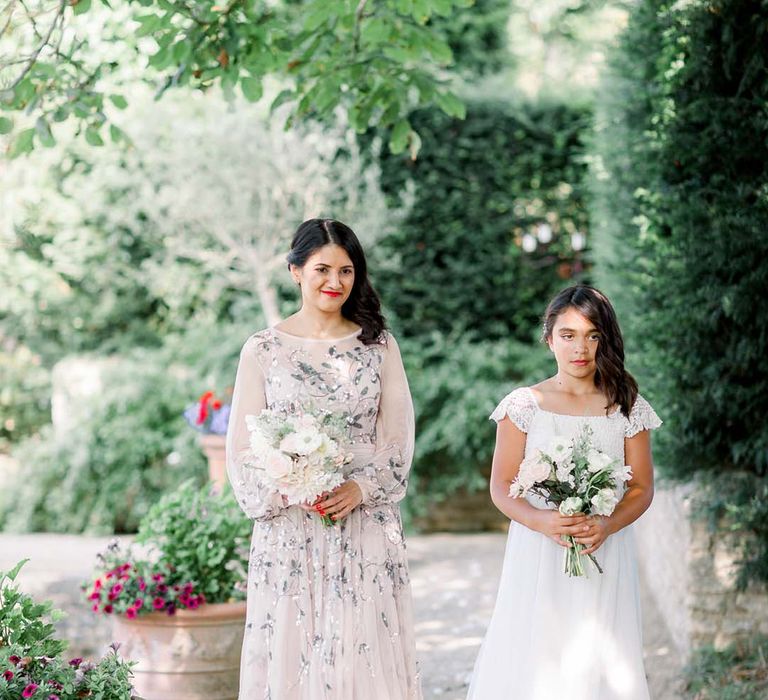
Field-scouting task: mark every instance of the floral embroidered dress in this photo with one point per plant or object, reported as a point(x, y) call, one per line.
point(329, 608)
point(552, 636)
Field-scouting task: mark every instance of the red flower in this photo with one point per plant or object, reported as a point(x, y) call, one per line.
point(95, 607)
point(108, 609)
point(158, 603)
point(158, 577)
point(203, 410)
point(142, 584)
point(216, 405)
point(14, 659)
point(138, 604)
point(97, 584)
point(30, 690)
point(8, 675)
point(76, 662)
point(130, 613)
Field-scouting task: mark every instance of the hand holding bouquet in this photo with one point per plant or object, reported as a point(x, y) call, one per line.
point(577, 478)
point(298, 456)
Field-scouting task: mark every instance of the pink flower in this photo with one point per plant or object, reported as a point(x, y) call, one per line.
point(188, 588)
point(184, 599)
point(125, 567)
point(76, 662)
point(14, 659)
point(142, 584)
point(30, 690)
point(94, 596)
point(108, 609)
point(158, 603)
point(162, 588)
point(95, 607)
point(97, 584)
point(159, 578)
point(117, 589)
point(8, 675)
point(130, 613)
point(138, 603)
point(194, 603)
point(53, 696)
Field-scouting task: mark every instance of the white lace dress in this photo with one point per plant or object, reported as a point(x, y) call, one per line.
point(553, 637)
point(329, 608)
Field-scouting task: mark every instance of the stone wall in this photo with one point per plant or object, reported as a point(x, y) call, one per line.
point(691, 573)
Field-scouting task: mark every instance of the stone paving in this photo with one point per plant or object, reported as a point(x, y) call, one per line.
point(454, 587)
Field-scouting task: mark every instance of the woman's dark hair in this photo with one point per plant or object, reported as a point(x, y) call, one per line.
point(618, 385)
point(363, 306)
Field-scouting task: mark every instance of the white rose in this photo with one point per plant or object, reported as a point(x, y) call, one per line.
point(604, 501)
point(565, 476)
point(622, 472)
point(277, 464)
point(302, 442)
point(597, 460)
point(571, 506)
point(538, 467)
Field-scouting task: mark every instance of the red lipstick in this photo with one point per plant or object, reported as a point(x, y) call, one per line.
point(332, 294)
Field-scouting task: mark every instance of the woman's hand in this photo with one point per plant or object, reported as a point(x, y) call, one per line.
point(556, 526)
point(341, 501)
point(595, 533)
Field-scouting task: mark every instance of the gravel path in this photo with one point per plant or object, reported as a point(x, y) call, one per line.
point(454, 586)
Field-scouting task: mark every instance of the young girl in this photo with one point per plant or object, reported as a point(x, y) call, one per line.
point(552, 636)
point(329, 606)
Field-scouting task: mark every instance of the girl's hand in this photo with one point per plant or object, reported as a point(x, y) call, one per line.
point(556, 526)
point(595, 534)
point(341, 501)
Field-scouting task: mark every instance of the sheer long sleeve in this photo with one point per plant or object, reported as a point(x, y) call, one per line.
point(248, 398)
point(384, 476)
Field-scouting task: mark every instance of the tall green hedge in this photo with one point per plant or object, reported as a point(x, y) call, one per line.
point(682, 199)
point(477, 187)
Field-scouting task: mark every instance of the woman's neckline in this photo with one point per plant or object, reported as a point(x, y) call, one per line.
point(316, 340)
point(568, 415)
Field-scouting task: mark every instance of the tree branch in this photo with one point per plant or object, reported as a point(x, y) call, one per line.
point(36, 53)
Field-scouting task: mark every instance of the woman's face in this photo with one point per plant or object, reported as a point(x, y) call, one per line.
point(574, 342)
point(326, 278)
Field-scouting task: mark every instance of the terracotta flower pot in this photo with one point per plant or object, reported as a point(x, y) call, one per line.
point(192, 655)
point(214, 447)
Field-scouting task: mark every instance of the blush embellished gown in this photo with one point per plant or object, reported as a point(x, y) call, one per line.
point(329, 608)
point(552, 636)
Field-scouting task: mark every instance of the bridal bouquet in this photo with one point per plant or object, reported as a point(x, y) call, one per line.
point(299, 456)
point(577, 478)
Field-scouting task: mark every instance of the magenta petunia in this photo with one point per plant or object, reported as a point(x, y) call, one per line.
point(138, 603)
point(97, 584)
point(95, 607)
point(194, 603)
point(108, 609)
point(53, 696)
point(162, 588)
point(76, 662)
point(30, 690)
point(184, 599)
point(142, 584)
point(55, 685)
point(14, 659)
point(159, 578)
point(158, 603)
point(117, 589)
point(171, 609)
point(188, 588)
point(130, 613)
point(8, 675)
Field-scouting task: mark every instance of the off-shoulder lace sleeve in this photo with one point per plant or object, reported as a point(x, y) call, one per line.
point(248, 398)
point(384, 478)
point(641, 417)
point(519, 406)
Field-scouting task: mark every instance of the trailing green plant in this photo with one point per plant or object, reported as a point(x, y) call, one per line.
point(682, 195)
point(25, 403)
point(739, 672)
point(33, 662)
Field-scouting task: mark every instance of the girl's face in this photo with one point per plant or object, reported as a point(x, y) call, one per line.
point(326, 278)
point(574, 342)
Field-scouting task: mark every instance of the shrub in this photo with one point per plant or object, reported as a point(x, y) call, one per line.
point(684, 212)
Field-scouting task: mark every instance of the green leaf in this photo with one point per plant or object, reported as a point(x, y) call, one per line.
point(93, 137)
point(43, 130)
point(252, 89)
point(283, 97)
point(24, 143)
point(6, 125)
point(116, 133)
point(119, 101)
point(14, 572)
point(81, 7)
point(398, 140)
point(451, 105)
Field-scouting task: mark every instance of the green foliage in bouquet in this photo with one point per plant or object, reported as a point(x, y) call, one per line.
point(33, 662)
point(479, 185)
point(681, 173)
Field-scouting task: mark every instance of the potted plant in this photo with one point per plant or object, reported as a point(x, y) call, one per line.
point(176, 595)
point(209, 415)
point(33, 663)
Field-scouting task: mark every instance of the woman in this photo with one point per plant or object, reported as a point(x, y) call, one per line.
point(329, 607)
point(552, 636)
